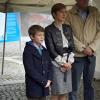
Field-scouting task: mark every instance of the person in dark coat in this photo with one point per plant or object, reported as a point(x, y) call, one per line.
point(37, 64)
point(60, 44)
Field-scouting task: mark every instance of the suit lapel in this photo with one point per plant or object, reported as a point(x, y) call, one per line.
point(36, 53)
point(66, 32)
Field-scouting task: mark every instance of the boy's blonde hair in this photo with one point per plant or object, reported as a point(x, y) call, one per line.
point(34, 29)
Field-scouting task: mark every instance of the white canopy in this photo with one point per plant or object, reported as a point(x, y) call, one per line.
point(37, 5)
point(43, 6)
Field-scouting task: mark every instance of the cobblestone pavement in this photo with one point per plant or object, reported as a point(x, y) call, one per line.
point(11, 79)
point(96, 85)
point(13, 92)
point(15, 89)
point(12, 87)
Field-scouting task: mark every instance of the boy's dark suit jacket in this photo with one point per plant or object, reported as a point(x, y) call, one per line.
point(38, 70)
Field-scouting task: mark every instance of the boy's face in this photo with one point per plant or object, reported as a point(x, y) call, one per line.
point(38, 38)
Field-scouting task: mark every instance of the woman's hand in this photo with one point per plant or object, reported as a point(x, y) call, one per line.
point(66, 66)
point(63, 69)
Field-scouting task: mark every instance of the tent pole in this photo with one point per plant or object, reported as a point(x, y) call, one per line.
point(2, 71)
point(19, 20)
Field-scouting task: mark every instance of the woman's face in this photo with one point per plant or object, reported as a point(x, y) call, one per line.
point(60, 15)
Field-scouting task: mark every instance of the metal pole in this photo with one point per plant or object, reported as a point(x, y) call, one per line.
point(19, 20)
point(4, 40)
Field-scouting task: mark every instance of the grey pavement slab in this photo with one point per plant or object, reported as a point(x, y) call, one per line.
point(13, 88)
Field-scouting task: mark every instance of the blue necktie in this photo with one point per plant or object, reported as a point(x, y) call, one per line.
point(40, 51)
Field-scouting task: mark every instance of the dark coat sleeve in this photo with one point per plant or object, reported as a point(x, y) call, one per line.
point(50, 70)
point(72, 45)
point(49, 43)
point(30, 69)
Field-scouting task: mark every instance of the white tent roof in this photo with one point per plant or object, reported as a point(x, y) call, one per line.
point(47, 2)
point(37, 5)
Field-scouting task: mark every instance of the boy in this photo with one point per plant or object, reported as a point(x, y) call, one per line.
point(37, 64)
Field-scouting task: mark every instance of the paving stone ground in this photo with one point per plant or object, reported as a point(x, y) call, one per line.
point(96, 85)
point(13, 88)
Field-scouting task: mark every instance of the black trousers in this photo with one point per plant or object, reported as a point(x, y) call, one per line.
point(85, 65)
point(37, 98)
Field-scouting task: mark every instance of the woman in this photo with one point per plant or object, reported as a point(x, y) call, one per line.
point(59, 42)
